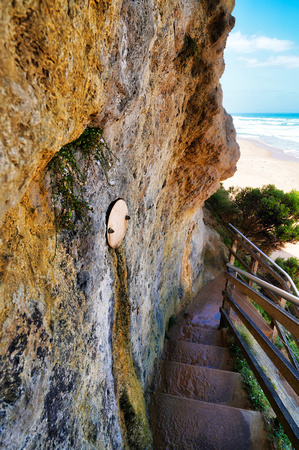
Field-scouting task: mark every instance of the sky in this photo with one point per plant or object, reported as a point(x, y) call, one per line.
point(262, 58)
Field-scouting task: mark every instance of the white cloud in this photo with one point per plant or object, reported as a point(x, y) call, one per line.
point(289, 62)
point(251, 62)
point(243, 44)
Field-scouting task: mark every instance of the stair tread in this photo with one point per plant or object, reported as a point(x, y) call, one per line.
point(198, 354)
point(187, 423)
point(201, 335)
point(199, 402)
point(202, 383)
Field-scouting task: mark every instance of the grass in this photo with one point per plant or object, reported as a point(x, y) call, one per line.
point(263, 313)
point(292, 345)
point(258, 399)
point(276, 434)
point(278, 343)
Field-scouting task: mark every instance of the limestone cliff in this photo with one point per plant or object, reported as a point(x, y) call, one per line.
point(81, 325)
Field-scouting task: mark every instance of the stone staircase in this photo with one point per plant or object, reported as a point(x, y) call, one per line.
point(199, 402)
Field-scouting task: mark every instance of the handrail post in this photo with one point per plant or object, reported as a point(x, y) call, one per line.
point(234, 249)
point(282, 300)
point(253, 267)
point(274, 330)
point(229, 287)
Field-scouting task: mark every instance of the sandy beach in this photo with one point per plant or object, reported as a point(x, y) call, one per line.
point(258, 166)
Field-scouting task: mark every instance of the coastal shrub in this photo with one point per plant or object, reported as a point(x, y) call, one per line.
point(267, 216)
point(68, 175)
point(223, 206)
point(291, 267)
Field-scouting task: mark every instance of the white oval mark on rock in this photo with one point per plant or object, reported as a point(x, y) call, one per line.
point(117, 223)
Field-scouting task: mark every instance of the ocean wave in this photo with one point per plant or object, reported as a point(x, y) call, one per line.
point(281, 132)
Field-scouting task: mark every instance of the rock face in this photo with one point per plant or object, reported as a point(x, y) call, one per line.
point(81, 325)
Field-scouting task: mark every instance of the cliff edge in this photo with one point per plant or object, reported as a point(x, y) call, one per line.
point(81, 325)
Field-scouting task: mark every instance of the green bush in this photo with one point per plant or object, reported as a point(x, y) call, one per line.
point(267, 216)
point(291, 267)
point(223, 206)
point(68, 175)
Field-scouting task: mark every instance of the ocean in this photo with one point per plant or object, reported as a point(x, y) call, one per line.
point(280, 131)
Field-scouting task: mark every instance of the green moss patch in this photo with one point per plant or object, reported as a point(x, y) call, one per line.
point(132, 412)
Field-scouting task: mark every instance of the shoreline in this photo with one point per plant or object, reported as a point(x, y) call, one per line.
point(260, 165)
point(276, 153)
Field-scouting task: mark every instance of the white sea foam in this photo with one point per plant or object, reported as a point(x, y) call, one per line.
point(279, 131)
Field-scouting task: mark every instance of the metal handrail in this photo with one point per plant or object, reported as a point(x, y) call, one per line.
point(269, 260)
point(289, 369)
point(286, 295)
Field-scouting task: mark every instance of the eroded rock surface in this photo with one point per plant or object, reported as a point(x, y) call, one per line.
point(148, 74)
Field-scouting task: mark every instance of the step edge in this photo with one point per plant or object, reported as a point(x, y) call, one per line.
point(213, 330)
point(204, 368)
point(210, 405)
point(198, 344)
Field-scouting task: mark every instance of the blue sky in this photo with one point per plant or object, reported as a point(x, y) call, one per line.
point(262, 58)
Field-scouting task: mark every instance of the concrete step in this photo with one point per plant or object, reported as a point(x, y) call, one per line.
point(201, 335)
point(202, 383)
point(180, 423)
point(198, 354)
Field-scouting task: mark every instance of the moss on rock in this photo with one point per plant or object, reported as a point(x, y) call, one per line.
point(129, 393)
